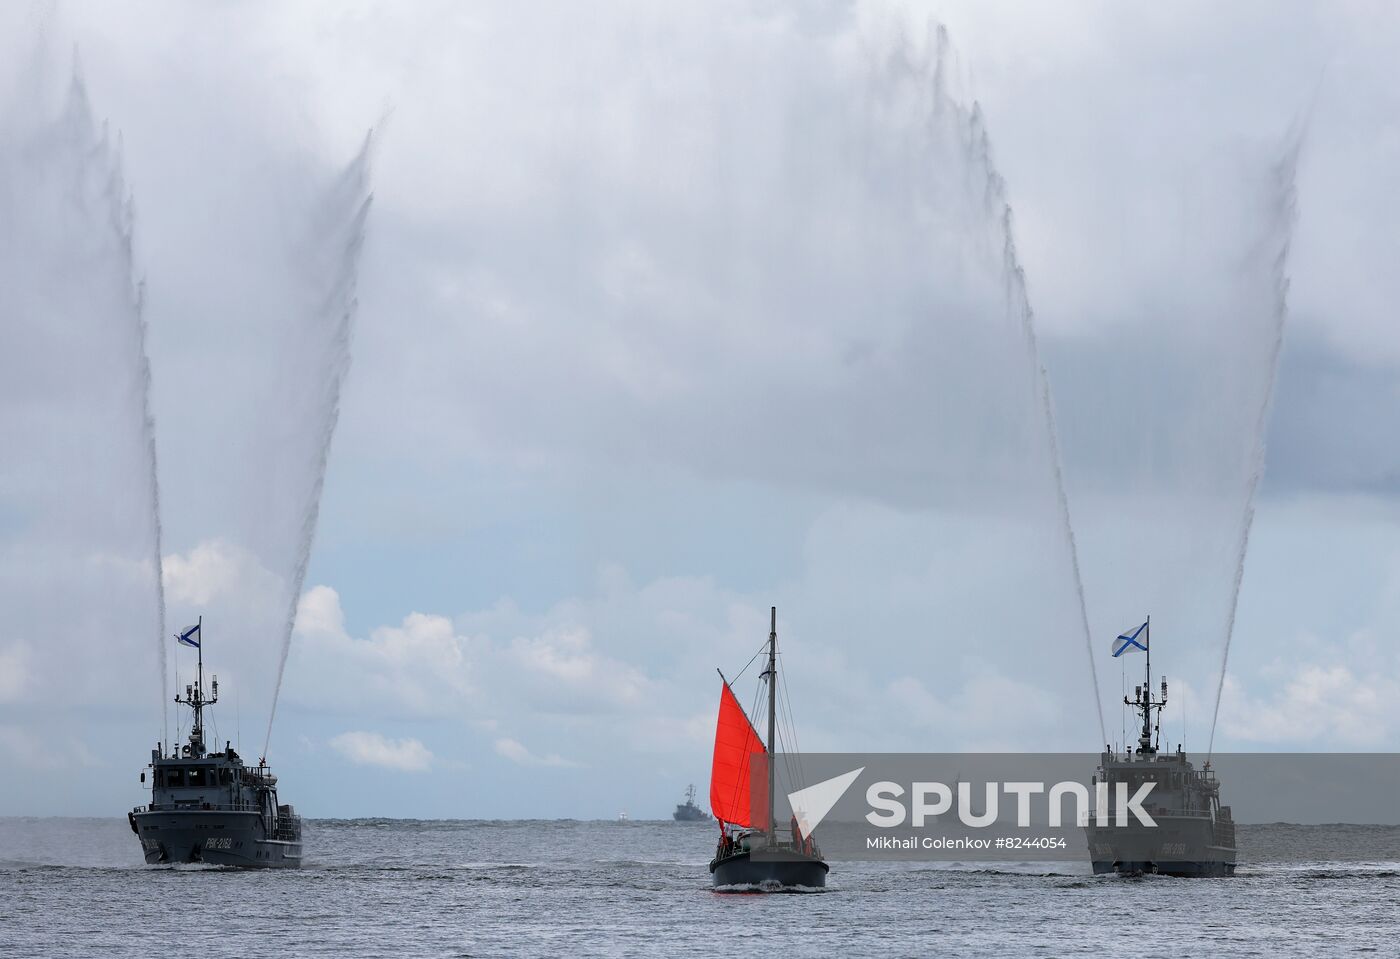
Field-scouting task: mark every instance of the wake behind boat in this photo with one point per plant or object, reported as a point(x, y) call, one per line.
point(752, 853)
point(210, 807)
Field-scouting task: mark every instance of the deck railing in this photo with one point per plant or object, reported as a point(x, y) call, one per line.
point(288, 828)
point(193, 806)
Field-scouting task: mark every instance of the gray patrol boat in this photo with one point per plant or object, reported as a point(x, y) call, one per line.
point(1194, 834)
point(688, 811)
point(210, 807)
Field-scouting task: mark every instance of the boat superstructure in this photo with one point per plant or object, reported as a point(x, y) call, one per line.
point(211, 807)
point(752, 852)
point(1193, 835)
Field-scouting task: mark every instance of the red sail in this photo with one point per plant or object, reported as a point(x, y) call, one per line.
point(735, 742)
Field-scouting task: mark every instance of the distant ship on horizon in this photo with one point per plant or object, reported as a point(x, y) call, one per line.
point(210, 807)
point(688, 811)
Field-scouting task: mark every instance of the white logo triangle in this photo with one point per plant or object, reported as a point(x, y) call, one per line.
point(811, 805)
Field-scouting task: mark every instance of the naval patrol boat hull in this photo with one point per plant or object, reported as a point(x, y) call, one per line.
point(1177, 846)
point(217, 837)
point(1187, 870)
point(770, 871)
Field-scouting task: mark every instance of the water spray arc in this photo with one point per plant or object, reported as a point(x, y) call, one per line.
point(74, 313)
point(1273, 248)
point(1019, 303)
point(339, 234)
point(149, 441)
point(1020, 312)
point(929, 145)
point(140, 359)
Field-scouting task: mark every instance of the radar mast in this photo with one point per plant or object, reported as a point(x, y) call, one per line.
point(1144, 702)
point(194, 698)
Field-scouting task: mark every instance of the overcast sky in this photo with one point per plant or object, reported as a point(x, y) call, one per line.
point(668, 314)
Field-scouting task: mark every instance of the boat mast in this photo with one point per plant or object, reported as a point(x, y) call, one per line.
point(1147, 686)
point(772, 713)
point(194, 698)
point(1144, 702)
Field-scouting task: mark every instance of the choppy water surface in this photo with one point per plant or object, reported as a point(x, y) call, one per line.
point(407, 888)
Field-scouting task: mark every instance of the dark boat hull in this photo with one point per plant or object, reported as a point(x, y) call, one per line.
point(742, 872)
point(1205, 869)
point(216, 837)
point(1177, 846)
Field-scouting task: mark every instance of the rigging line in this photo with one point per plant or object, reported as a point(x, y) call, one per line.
point(789, 753)
point(788, 734)
point(786, 705)
point(741, 672)
point(1123, 707)
point(796, 746)
point(785, 741)
point(178, 724)
point(793, 783)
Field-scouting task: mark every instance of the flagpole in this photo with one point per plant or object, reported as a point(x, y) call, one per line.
point(199, 628)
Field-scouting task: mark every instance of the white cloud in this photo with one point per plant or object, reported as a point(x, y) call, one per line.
point(517, 753)
point(568, 673)
point(426, 667)
point(319, 612)
point(419, 668)
point(216, 569)
point(373, 749)
point(1326, 705)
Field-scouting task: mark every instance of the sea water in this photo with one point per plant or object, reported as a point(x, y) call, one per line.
point(386, 887)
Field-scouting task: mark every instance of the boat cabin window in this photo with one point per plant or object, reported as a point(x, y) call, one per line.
point(225, 777)
point(174, 777)
point(201, 776)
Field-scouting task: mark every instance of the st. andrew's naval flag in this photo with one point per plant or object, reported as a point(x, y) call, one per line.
point(1131, 641)
point(190, 637)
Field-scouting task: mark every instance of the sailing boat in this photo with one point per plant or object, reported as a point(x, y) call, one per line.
point(752, 852)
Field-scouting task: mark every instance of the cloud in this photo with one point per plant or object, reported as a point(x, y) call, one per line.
point(518, 754)
point(214, 570)
point(1327, 705)
point(373, 749)
point(425, 667)
point(567, 673)
point(420, 668)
